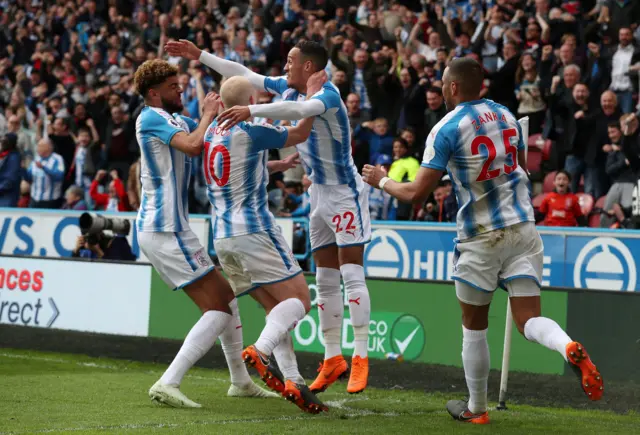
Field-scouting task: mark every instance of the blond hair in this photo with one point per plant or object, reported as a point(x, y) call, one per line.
point(236, 91)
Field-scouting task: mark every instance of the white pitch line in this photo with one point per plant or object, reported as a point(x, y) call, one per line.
point(336, 404)
point(103, 366)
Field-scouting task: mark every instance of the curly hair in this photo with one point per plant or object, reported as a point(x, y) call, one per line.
point(152, 73)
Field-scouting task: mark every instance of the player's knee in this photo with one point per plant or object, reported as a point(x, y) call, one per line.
point(351, 255)
point(306, 302)
point(327, 257)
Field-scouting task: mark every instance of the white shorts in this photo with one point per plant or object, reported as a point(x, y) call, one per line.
point(494, 259)
point(253, 260)
point(179, 258)
point(339, 215)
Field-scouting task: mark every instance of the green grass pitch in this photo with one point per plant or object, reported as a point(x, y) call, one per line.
point(61, 393)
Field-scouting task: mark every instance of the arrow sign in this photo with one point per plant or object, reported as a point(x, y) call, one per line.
point(56, 313)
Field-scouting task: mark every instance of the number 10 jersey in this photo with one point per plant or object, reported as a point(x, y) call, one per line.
point(477, 143)
point(235, 169)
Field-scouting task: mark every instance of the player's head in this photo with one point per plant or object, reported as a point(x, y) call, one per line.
point(462, 81)
point(157, 82)
point(562, 181)
point(236, 91)
point(306, 58)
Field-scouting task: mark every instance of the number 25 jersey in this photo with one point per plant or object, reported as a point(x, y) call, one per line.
point(477, 143)
point(235, 169)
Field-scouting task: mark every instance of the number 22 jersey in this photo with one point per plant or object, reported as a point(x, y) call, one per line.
point(477, 143)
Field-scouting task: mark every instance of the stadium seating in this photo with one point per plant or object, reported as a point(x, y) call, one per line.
point(534, 160)
point(537, 200)
point(546, 150)
point(533, 141)
point(547, 184)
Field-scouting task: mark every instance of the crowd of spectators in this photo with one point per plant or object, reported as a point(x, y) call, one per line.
point(68, 108)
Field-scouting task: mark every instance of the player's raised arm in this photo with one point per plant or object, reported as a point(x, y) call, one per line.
point(192, 143)
point(317, 103)
point(226, 68)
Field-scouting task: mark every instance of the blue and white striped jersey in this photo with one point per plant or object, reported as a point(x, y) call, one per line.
point(164, 172)
point(80, 179)
point(326, 154)
point(478, 143)
point(46, 182)
point(235, 168)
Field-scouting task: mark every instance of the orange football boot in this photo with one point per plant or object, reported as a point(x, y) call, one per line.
point(330, 371)
point(269, 373)
point(590, 379)
point(359, 375)
point(303, 398)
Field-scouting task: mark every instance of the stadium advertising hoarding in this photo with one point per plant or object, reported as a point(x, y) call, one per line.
point(578, 258)
point(419, 320)
point(80, 296)
point(53, 233)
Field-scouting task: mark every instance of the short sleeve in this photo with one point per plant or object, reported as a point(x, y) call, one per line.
point(329, 97)
point(437, 151)
point(164, 127)
point(265, 136)
point(190, 122)
point(275, 85)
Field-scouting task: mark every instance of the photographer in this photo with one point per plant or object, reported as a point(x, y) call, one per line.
point(102, 247)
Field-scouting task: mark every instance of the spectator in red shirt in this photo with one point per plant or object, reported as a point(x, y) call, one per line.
point(116, 199)
point(561, 207)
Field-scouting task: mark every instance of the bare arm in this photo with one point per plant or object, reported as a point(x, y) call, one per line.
point(191, 144)
point(416, 191)
point(288, 110)
point(299, 133)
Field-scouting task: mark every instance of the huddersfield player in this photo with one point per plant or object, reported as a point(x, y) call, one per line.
point(167, 141)
point(479, 143)
point(249, 243)
point(339, 221)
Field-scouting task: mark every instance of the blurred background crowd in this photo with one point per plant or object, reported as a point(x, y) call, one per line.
point(68, 109)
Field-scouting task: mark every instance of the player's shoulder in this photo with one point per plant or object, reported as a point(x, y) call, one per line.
point(503, 112)
point(449, 124)
point(252, 126)
point(153, 116)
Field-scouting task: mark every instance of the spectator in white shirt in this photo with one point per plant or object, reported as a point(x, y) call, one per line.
point(623, 59)
point(46, 174)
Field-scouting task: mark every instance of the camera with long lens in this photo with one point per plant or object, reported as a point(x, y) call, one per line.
point(92, 226)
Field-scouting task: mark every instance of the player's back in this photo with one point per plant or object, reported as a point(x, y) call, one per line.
point(235, 168)
point(326, 154)
point(164, 172)
point(482, 139)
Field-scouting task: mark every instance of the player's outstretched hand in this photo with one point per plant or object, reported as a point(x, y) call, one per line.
point(211, 104)
point(288, 163)
point(183, 48)
point(316, 81)
point(372, 175)
point(233, 116)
